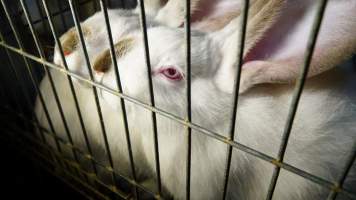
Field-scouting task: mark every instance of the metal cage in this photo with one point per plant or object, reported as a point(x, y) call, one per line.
point(28, 31)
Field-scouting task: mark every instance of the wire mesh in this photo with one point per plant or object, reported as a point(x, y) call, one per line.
point(236, 92)
point(189, 97)
point(41, 58)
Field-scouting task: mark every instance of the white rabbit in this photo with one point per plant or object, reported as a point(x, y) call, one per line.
point(323, 133)
point(95, 35)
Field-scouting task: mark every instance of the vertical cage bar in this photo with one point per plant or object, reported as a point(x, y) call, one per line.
point(188, 91)
point(119, 86)
point(55, 93)
point(32, 76)
point(70, 81)
point(297, 94)
point(336, 190)
point(74, 12)
point(152, 100)
point(240, 54)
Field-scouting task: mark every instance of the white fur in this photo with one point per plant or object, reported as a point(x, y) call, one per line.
point(261, 118)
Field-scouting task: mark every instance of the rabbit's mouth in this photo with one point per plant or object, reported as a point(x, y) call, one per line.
point(106, 96)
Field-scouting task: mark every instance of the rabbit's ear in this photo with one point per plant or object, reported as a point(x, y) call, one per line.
point(103, 61)
point(277, 55)
point(327, 54)
point(262, 15)
point(70, 39)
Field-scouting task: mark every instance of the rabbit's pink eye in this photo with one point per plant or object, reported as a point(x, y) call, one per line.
point(172, 73)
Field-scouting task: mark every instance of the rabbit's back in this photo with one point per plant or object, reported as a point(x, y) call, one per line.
point(322, 136)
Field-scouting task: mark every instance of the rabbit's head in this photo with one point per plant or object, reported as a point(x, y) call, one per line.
point(167, 49)
point(168, 67)
point(96, 38)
